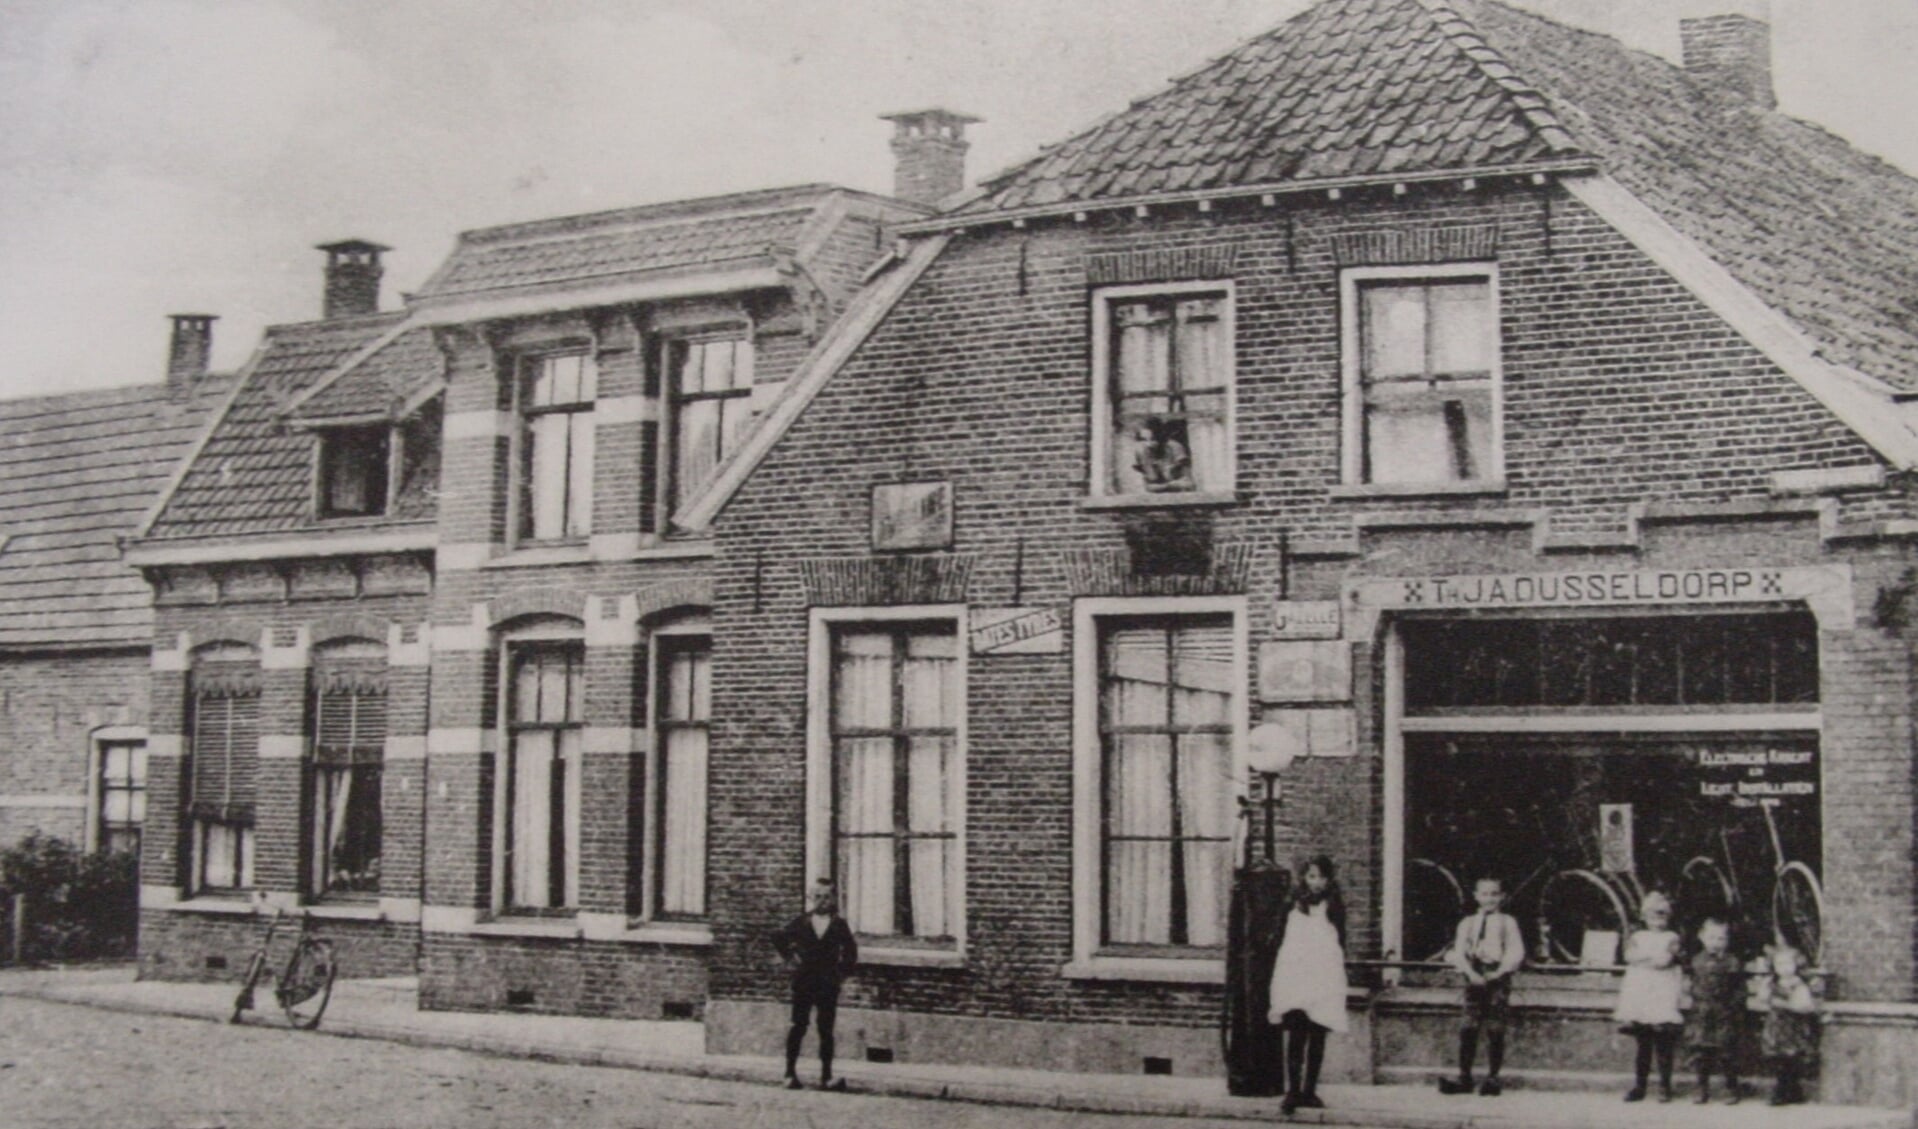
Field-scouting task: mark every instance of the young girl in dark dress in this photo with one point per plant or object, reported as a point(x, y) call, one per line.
point(1717, 1011)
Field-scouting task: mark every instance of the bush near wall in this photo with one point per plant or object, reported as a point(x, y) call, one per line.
point(78, 905)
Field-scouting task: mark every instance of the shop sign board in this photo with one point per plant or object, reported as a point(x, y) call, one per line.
point(1749, 775)
point(1305, 672)
point(1305, 619)
point(1016, 631)
point(1317, 732)
point(912, 515)
point(1826, 589)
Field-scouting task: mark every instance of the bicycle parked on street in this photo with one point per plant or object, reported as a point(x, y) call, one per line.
point(304, 986)
point(1797, 900)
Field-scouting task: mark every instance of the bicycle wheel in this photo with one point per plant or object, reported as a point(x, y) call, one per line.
point(1433, 903)
point(244, 1000)
point(308, 983)
point(1798, 909)
point(1575, 902)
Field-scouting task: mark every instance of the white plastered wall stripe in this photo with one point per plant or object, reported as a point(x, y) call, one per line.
point(845, 336)
point(1874, 417)
point(282, 746)
point(477, 425)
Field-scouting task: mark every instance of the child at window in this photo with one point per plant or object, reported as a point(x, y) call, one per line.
point(1790, 1041)
point(1648, 999)
point(1488, 948)
point(1718, 996)
point(1308, 981)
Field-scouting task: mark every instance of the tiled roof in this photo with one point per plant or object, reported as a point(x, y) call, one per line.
point(381, 383)
point(605, 245)
point(77, 472)
point(1826, 234)
point(254, 474)
point(1348, 88)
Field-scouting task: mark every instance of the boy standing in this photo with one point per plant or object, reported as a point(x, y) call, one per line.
point(1488, 949)
point(819, 948)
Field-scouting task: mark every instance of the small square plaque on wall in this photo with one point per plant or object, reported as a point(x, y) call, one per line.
point(1305, 672)
point(912, 515)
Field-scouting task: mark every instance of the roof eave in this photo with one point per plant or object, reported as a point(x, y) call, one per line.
point(532, 301)
point(358, 542)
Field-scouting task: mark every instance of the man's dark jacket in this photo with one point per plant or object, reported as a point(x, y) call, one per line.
point(823, 961)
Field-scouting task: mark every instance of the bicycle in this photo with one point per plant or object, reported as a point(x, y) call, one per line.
point(1797, 903)
point(303, 988)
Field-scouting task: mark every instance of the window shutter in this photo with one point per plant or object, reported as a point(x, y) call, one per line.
point(350, 726)
point(226, 750)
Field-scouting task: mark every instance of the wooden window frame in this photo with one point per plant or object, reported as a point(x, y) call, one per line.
point(526, 367)
point(511, 648)
point(327, 452)
point(672, 403)
point(1103, 378)
point(681, 634)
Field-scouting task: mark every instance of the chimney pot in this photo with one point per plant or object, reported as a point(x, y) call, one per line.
point(929, 154)
point(1731, 56)
point(352, 278)
point(190, 352)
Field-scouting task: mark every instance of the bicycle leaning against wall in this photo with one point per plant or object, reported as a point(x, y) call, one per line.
point(304, 986)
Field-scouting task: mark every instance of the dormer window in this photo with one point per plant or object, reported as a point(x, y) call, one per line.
point(355, 471)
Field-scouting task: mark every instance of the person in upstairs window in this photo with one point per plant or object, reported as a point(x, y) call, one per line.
point(1161, 458)
point(819, 950)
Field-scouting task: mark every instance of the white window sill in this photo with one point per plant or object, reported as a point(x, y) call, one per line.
point(541, 555)
point(674, 551)
point(217, 906)
point(1171, 499)
point(556, 929)
point(684, 934)
point(1418, 489)
point(1150, 970)
point(911, 958)
point(346, 911)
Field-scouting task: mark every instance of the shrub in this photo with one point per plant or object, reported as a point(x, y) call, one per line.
point(79, 905)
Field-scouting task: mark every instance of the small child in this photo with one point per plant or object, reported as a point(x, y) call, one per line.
point(1488, 948)
point(1648, 999)
point(1718, 996)
point(1790, 1039)
point(1308, 981)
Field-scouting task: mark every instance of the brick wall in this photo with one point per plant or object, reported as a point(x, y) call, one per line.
point(608, 980)
point(50, 705)
point(1621, 389)
point(176, 945)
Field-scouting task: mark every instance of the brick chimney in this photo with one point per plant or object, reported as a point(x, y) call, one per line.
point(352, 278)
point(929, 154)
point(189, 353)
point(1731, 56)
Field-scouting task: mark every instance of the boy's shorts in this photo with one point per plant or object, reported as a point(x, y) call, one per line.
point(1486, 1006)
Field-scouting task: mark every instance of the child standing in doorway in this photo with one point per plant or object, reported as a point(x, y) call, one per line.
point(1717, 1011)
point(1648, 999)
point(1488, 948)
point(1308, 981)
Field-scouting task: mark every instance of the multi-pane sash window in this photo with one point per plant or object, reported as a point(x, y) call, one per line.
point(544, 727)
point(1427, 352)
point(556, 446)
point(349, 750)
point(226, 752)
point(711, 383)
point(123, 795)
point(894, 731)
point(1168, 390)
point(684, 712)
point(1166, 693)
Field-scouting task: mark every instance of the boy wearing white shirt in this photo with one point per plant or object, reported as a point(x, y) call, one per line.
point(1488, 948)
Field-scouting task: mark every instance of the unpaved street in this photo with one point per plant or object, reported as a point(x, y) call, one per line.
point(66, 1066)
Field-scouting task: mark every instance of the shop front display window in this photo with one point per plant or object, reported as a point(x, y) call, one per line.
point(1558, 755)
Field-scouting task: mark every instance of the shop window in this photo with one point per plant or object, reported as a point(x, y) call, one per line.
point(121, 789)
point(354, 471)
point(683, 698)
point(1166, 719)
point(1587, 761)
point(225, 729)
point(539, 788)
point(1162, 390)
point(555, 466)
point(709, 409)
point(895, 705)
point(345, 822)
point(1421, 358)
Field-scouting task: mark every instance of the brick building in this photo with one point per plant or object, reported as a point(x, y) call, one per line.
point(433, 644)
point(75, 623)
point(1504, 431)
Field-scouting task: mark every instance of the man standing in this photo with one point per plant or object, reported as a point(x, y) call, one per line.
point(819, 948)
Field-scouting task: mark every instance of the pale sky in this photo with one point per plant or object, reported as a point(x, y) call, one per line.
point(162, 156)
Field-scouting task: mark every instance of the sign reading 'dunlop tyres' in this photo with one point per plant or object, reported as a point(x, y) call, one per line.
point(1825, 588)
point(1016, 631)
